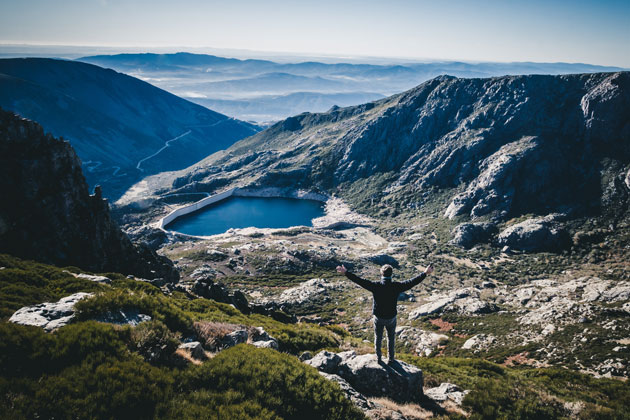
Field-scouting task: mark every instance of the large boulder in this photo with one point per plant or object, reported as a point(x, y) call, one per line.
point(539, 234)
point(446, 391)
point(398, 381)
point(467, 235)
point(425, 341)
point(49, 315)
point(352, 394)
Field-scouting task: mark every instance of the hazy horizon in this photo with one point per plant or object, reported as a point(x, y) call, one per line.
point(489, 31)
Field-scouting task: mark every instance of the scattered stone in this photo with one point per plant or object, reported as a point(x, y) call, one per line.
point(541, 234)
point(465, 301)
point(204, 272)
point(49, 315)
point(234, 338)
point(311, 291)
point(90, 277)
point(195, 349)
point(307, 355)
point(268, 344)
point(467, 235)
point(445, 392)
point(474, 305)
point(352, 394)
point(382, 259)
point(208, 289)
point(128, 316)
point(425, 341)
point(479, 342)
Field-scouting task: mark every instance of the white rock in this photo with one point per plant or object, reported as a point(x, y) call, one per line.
point(49, 315)
point(479, 342)
point(446, 391)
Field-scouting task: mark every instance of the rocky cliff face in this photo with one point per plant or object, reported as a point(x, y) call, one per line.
point(502, 146)
point(47, 213)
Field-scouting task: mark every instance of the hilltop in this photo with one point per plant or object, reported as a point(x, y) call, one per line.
point(118, 124)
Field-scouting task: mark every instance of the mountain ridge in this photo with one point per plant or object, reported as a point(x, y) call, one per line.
point(502, 146)
point(113, 118)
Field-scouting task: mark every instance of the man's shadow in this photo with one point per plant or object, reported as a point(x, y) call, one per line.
point(394, 367)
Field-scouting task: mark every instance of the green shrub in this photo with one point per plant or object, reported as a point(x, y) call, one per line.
point(24, 283)
point(87, 340)
point(214, 406)
point(277, 382)
point(111, 389)
point(296, 338)
point(154, 341)
point(23, 350)
point(158, 307)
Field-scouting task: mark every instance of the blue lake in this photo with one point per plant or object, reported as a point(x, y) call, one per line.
point(242, 212)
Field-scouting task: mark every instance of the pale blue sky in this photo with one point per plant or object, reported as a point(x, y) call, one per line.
point(596, 32)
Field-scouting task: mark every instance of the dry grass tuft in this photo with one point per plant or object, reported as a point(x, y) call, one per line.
point(409, 411)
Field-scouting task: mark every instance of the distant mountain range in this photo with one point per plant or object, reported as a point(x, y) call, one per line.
point(267, 85)
point(118, 125)
point(496, 148)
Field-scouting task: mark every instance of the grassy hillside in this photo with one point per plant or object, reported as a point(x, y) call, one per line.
point(90, 369)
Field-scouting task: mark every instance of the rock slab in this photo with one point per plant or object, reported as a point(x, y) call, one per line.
point(49, 315)
point(399, 381)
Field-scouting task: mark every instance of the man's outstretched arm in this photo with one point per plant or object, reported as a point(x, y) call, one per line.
point(406, 285)
point(366, 284)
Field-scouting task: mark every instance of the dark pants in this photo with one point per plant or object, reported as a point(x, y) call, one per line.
point(390, 324)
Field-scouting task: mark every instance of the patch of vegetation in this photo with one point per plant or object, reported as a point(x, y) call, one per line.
point(264, 379)
point(499, 392)
point(154, 341)
point(24, 283)
point(292, 232)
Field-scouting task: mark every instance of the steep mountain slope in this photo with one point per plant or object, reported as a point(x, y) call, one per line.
point(117, 124)
point(47, 214)
point(498, 148)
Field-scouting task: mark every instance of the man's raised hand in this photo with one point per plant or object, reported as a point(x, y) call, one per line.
point(429, 269)
point(341, 269)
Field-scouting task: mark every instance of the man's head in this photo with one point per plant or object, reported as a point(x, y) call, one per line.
point(386, 270)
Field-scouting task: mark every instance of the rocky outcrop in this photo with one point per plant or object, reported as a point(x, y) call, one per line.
point(541, 234)
point(314, 291)
point(217, 336)
point(425, 342)
point(398, 381)
point(465, 301)
point(445, 392)
point(208, 289)
point(51, 315)
point(479, 342)
point(47, 213)
point(468, 235)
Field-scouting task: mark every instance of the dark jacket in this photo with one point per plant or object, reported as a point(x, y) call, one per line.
point(385, 293)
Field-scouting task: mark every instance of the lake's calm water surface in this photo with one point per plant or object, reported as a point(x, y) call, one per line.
point(242, 212)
